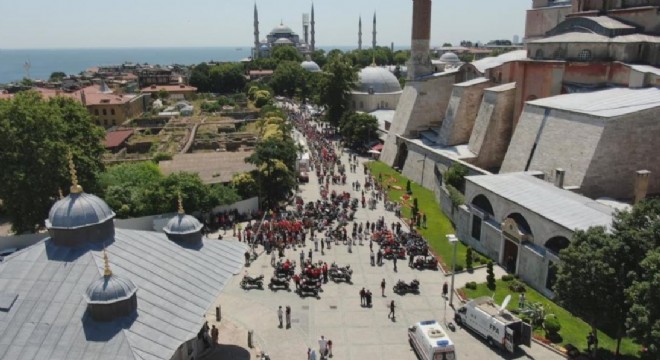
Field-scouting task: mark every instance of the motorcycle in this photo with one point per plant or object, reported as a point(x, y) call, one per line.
point(427, 262)
point(285, 269)
point(402, 287)
point(391, 252)
point(338, 274)
point(250, 282)
point(279, 283)
point(310, 288)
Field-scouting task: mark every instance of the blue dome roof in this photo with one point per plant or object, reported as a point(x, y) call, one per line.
point(182, 224)
point(78, 210)
point(310, 66)
point(109, 289)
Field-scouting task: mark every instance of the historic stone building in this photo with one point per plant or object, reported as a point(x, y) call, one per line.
point(283, 35)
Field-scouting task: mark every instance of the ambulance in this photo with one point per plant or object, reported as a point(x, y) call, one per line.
point(430, 341)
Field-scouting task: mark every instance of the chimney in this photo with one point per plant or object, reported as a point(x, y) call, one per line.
point(420, 60)
point(559, 177)
point(641, 185)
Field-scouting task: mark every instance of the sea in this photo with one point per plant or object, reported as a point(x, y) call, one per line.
point(43, 62)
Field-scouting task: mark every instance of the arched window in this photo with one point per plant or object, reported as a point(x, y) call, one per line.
point(482, 204)
point(539, 54)
point(556, 244)
point(584, 55)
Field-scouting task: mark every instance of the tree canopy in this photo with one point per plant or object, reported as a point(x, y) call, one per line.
point(287, 78)
point(222, 78)
point(358, 128)
point(286, 53)
point(35, 137)
point(335, 87)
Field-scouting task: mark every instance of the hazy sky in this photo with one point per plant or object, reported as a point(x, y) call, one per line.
point(140, 23)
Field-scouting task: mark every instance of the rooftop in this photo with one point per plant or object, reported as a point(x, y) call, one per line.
point(115, 138)
point(581, 37)
point(563, 207)
point(169, 88)
point(605, 103)
point(208, 164)
point(495, 61)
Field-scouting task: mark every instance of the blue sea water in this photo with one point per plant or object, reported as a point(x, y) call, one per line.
point(73, 61)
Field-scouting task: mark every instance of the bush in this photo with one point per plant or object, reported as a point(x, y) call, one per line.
point(507, 277)
point(161, 157)
point(455, 175)
point(408, 190)
point(478, 259)
point(490, 278)
point(458, 267)
point(472, 285)
point(457, 199)
point(468, 258)
point(551, 325)
point(517, 286)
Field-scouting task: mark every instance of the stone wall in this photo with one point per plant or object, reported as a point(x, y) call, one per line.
point(540, 20)
point(462, 112)
point(370, 102)
point(493, 126)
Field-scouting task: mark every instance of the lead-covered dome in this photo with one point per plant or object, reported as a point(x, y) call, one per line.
point(78, 210)
point(282, 29)
point(283, 41)
point(109, 289)
point(376, 80)
point(450, 58)
point(182, 224)
point(310, 66)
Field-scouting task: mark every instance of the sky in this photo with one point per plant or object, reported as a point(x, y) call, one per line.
point(29, 24)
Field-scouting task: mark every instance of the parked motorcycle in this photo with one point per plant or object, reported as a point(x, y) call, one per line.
point(427, 262)
point(391, 252)
point(252, 282)
point(310, 288)
point(402, 287)
point(279, 283)
point(338, 274)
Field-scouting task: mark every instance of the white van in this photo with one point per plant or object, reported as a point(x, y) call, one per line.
point(430, 341)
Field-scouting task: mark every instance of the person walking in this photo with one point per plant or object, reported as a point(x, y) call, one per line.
point(445, 290)
point(323, 346)
point(391, 314)
point(382, 288)
point(310, 255)
point(521, 300)
point(214, 336)
point(368, 298)
point(363, 297)
point(372, 258)
point(394, 260)
point(288, 317)
point(322, 248)
point(280, 316)
point(410, 260)
point(272, 259)
point(329, 348)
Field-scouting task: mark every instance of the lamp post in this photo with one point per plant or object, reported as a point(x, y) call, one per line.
point(423, 161)
point(454, 240)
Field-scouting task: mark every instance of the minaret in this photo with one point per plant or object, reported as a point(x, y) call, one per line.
point(373, 41)
point(420, 60)
point(306, 27)
point(256, 32)
point(360, 34)
point(312, 46)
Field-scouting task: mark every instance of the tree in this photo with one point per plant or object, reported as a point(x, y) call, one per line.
point(468, 258)
point(643, 319)
point(125, 187)
point(287, 78)
point(245, 184)
point(455, 176)
point(335, 88)
point(318, 56)
point(56, 76)
point(286, 53)
point(199, 77)
point(35, 137)
point(401, 57)
point(447, 44)
point(358, 129)
point(490, 277)
point(226, 78)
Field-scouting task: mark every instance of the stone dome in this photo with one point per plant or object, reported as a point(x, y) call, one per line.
point(182, 224)
point(373, 79)
point(282, 29)
point(78, 210)
point(109, 289)
point(310, 66)
point(450, 58)
point(283, 41)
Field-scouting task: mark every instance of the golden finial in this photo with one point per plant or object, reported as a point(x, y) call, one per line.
point(106, 270)
point(75, 188)
point(181, 211)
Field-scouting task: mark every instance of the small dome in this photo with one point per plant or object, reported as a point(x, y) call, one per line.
point(282, 29)
point(450, 58)
point(109, 289)
point(310, 66)
point(375, 79)
point(182, 224)
point(78, 210)
point(283, 41)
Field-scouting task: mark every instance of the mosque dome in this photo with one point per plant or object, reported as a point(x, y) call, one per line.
point(78, 210)
point(310, 66)
point(373, 79)
point(182, 224)
point(450, 58)
point(281, 29)
point(283, 41)
point(109, 289)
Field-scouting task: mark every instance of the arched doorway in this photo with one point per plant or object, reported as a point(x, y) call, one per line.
point(554, 245)
point(481, 209)
point(401, 156)
point(515, 231)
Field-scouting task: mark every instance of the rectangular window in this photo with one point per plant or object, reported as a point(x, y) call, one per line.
point(105, 112)
point(476, 227)
point(96, 112)
point(112, 111)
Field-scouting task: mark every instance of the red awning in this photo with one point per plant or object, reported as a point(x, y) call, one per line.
point(377, 147)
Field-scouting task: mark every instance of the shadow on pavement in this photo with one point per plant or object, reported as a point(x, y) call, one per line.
point(232, 352)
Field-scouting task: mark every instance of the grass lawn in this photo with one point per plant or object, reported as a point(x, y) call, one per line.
point(573, 330)
point(438, 225)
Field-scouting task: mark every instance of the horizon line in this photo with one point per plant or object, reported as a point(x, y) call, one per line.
point(168, 47)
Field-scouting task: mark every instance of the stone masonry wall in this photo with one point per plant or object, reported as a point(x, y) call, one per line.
point(462, 112)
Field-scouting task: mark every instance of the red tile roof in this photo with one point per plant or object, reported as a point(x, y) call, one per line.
point(169, 88)
point(115, 138)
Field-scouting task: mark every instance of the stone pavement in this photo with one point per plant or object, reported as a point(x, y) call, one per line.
point(356, 332)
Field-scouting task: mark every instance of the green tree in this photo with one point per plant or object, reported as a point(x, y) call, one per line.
point(287, 78)
point(490, 276)
point(200, 77)
point(468, 258)
point(318, 56)
point(643, 320)
point(335, 88)
point(401, 57)
point(455, 176)
point(56, 76)
point(358, 128)
point(286, 53)
point(447, 44)
point(246, 184)
point(227, 78)
point(125, 187)
point(35, 136)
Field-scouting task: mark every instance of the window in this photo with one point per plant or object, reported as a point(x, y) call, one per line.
point(112, 111)
point(105, 122)
point(476, 227)
point(361, 105)
point(105, 112)
point(584, 55)
point(539, 54)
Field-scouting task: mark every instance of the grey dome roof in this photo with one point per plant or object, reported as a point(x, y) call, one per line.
point(109, 289)
point(78, 210)
point(378, 80)
point(450, 58)
point(282, 29)
point(182, 224)
point(283, 41)
point(310, 66)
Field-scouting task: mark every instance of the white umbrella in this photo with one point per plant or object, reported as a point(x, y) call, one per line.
point(373, 152)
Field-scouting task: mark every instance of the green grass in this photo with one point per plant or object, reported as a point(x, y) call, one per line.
point(438, 225)
point(573, 330)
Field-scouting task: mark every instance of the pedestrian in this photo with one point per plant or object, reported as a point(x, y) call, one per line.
point(394, 260)
point(592, 341)
point(350, 246)
point(391, 314)
point(322, 247)
point(324, 269)
point(379, 257)
point(410, 259)
point(368, 298)
point(329, 348)
point(279, 316)
point(382, 288)
point(302, 258)
point(521, 300)
point(323, 346)
point(310, 256)
point(272, 259)
point(371, 258)
point(214, 335)
point(296, 280)
point(445, 290)
point(288, 317)
point(312, 355)
point(316, 244)
point(363, 297)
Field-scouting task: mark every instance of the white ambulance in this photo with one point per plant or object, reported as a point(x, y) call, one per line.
point(430, 341)
point(494, 323)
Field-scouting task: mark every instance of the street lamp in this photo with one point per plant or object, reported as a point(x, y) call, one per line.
point(453, 240)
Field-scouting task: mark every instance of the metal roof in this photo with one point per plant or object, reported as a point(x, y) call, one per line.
point(176, 286)
point(607, 22)
point(562, 207)
point(490, 62)
point(605, 103)
point(580, 37)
